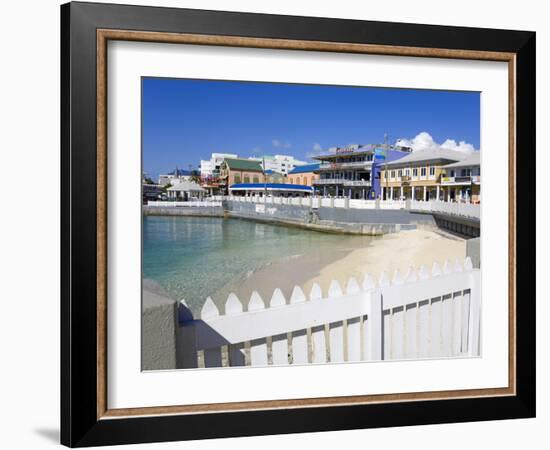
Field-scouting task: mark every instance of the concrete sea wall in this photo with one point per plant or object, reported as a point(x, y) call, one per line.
point(330, 220)
point(205, 211)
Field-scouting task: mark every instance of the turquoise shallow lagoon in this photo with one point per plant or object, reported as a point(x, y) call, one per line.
point(193, 257)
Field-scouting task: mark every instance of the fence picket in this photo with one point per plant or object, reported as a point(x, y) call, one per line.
point(474, 323)
point(336, 329)
point(410, 317)
point(447, 306)
point(279, 343)
point(435, 327)
point(446, 315)
point(367, 343)
point(212, 357)
point(299, 337)
point(397, 323)
point(258, 347)
point(318, 337)
point(236, 352)
point(353, 338)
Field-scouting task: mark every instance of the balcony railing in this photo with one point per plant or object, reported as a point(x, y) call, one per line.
point(346, 165)
point(324, 181)
point(357, 183)
point(460, 180)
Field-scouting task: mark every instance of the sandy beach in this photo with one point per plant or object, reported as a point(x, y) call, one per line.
point(388, 253)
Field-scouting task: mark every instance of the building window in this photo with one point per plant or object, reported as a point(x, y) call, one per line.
point(400, 173)
point(237, 179)
point(255, 180)
point(432, 171)
point(423, 172)
point(246, 179)
point(393, 173)
point(415, 172)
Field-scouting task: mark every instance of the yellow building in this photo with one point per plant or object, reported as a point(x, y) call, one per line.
point(462, 180)
point(418, 175)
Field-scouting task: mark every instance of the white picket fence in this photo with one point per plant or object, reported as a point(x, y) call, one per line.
point(423, 314)
point(189, 204)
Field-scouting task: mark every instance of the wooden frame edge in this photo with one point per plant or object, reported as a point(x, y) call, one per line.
point(101, 223)
point(104, 35)
point(289, 44)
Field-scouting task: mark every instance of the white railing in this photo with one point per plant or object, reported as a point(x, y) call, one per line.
point(424, 314)
point(345, 165)
point(329, 181)
point(190, 204)
point(358, 183)
point(469, 210)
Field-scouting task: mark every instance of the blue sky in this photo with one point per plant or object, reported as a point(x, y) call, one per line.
point(184, 121)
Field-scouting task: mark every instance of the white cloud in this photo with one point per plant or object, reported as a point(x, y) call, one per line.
point(424, 141)
point(315, 151)
point(278, 143)
point(462, 146)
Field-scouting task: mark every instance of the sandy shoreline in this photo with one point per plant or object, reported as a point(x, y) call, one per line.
point(388, 253)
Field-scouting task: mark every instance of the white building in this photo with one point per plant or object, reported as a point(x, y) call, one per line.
point(211, 167)
point(174, 177)
point(185, 190)
point(282, 164)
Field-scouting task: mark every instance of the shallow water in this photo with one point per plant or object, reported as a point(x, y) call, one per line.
point(196, 257)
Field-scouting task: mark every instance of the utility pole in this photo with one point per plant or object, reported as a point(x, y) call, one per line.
point(265, 179)
point(386, 161)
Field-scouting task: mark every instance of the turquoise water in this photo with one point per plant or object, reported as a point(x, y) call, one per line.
point(192, 257)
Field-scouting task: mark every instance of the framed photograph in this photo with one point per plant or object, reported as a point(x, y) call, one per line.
point(277, 224)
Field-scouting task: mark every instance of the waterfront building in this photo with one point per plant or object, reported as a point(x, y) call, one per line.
point(210, 171)
point(354, 171)
point(274, 177)
point(210, 168)
point(270, 189)
point(175, 176)
point(185, 190)
point(282, 164)
point(461, 181)
point(151, 192)
point(239, 170)
point(418, 175)
point(304, 175)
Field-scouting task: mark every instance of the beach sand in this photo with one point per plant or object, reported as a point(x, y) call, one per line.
point(391, 252)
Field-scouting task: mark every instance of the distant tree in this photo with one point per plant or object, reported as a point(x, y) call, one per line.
point(148, 180)
point(195, 176)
